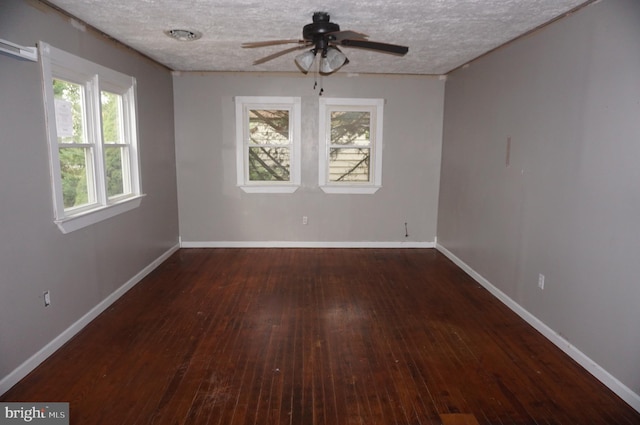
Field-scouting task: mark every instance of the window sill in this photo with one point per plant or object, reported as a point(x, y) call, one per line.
point(270, 189)
point(355, 190)
point(76, 222)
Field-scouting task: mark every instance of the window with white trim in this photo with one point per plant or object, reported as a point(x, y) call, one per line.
point(350, 154)
point(268, 144)
point(92, 135)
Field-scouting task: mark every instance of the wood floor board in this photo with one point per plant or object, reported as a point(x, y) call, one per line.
point(458, 419)
point(316, 337)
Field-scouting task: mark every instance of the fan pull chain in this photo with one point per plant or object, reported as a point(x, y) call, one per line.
point(317, 73)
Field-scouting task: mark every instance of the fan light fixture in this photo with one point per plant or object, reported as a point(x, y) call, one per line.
point(331, 60)
point(305, 60)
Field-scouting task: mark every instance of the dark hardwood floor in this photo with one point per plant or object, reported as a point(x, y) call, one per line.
point(316, 336)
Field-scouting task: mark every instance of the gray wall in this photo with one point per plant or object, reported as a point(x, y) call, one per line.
point(568, 205)
point(214, 209)
point(84, 267)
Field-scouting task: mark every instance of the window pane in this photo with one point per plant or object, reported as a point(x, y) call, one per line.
point(111, 117)
point(349, 164)
point(76, 169)
point(269, 164)
point(268, 127)
point(70, 124)
point(116, 175)
point(350, 128)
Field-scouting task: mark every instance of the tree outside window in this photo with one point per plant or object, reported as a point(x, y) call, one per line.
point(268, 144)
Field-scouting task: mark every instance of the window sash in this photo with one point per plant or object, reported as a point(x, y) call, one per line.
point(269, 162)
point(112, 118)
point(355, 169)
point(123, 180)
point(78, 185)
point(273, 165)
point(71, 117)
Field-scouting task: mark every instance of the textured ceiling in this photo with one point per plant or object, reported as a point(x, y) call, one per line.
point(441, 34)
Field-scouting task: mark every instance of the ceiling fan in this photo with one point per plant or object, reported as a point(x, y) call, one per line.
point(324, 37)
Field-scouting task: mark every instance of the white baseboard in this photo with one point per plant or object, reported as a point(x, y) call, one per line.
point(592, 367)
point(30, 364)
point(303, 244)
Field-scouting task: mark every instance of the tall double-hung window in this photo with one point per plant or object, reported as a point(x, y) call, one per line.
point(268, 144)
point(92, 135)
point(350, 154)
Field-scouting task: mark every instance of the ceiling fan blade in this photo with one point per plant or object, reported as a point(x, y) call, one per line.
point(343, 35)
point(374, 45)
point(270, 43)
point(280, 53)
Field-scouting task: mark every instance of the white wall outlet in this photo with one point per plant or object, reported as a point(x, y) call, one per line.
point(47, 298)
point(541, 281)
point(305, 220)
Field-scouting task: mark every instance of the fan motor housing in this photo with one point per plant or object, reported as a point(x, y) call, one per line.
point(319, 27)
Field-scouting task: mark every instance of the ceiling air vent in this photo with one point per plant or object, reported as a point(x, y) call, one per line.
point(183, 35)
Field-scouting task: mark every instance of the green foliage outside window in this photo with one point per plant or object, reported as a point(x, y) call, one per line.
point(112, 133)
point(76, 165)
point(73, 161)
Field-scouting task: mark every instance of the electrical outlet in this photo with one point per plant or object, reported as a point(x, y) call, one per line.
point(47, 298)
point(541, 281)
point(305, 220)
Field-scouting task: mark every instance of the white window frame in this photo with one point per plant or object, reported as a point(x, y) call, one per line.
point(58, 64)
point(243, 105)
point(376, 109)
